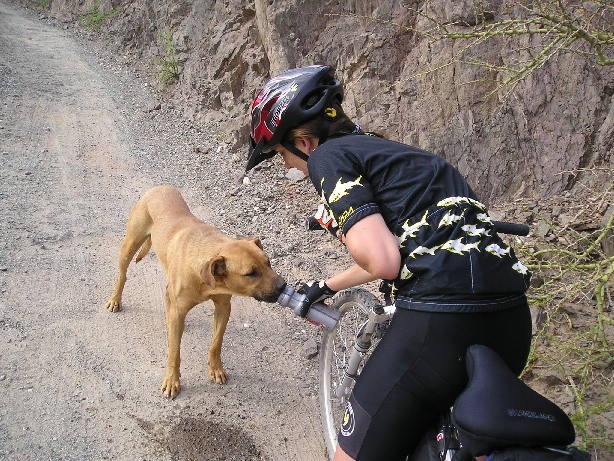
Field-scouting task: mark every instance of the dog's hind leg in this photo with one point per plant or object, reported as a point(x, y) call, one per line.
point(220, 320)
point(137, 234)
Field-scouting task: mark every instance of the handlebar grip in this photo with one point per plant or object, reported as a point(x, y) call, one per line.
point(511, 228)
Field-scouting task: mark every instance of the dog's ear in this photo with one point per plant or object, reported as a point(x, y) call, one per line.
point(256, 241)
point(215, 267)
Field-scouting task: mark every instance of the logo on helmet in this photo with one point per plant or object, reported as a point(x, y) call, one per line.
point(330, 112)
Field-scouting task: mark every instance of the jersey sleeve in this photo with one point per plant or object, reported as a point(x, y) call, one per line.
point(340, 180)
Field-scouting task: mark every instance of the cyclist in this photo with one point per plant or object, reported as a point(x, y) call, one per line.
point(408, 217)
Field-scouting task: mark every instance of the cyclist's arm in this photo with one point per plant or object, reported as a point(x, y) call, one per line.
point(351, 277)
point(375, 250)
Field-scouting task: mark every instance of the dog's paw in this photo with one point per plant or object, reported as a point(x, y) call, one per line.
point(114, 304)
point(170, 386)
point(217, 374)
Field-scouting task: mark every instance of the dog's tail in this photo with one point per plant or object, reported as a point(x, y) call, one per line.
point(144, 249)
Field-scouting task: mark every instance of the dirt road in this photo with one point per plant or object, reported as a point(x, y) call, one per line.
point(77, 149)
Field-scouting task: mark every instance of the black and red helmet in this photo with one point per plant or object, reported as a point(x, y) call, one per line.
point(287, 101)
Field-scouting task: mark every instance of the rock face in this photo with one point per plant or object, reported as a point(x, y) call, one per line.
point(560, 119)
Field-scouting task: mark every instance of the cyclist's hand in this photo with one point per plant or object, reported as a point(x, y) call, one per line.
point(314, 292)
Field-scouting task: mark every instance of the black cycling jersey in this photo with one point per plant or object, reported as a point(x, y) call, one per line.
point(452, 260)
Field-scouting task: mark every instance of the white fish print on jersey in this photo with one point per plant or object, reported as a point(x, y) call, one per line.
point(458, 247)
point(449, 218)
point(423, 251)
point(341, 189)
point(484, 218)
point(496, 250)
point(521, 268)
point(405, 273)
point(472, 246)
point(475, 231)
point(457, 200)
point(412, 231)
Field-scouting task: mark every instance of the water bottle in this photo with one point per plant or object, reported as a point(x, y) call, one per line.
point(318, 313)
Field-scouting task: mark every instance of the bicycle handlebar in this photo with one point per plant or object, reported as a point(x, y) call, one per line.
point(501, 227)
point(511, 228)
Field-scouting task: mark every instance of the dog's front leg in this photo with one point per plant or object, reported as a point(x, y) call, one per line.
point(220, 320)
point(175, 321)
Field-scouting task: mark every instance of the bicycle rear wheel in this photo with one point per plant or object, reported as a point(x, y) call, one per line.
point(355, 305)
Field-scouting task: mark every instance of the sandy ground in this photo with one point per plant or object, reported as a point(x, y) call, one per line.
point(78, 382)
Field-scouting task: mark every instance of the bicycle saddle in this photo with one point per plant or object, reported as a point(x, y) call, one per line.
point(497, 410)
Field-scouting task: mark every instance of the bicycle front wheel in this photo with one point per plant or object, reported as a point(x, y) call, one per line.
point(355, 305)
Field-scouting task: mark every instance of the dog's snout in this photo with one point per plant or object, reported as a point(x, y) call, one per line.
point(277, 287)
point(280, 285)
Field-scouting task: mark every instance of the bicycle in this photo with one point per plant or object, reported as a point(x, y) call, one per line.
point(354, 323)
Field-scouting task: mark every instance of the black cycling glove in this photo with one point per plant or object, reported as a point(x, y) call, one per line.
point(314, 292)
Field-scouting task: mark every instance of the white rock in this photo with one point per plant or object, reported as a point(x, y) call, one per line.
point(246, 181)
point(294, 174)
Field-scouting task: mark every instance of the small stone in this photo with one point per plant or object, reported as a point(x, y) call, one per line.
point(152, 106)
point(565, 219)
point(3, 268)
point(538, 317)
point(552, 380)
point(246, 181)
point(294, 174)
point(331, 254)
point(200, 150)
point(310, 348)
point(536, 281)
point(542, 228)
point(2, 378)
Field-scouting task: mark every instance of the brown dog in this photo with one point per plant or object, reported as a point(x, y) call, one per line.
point(200, 263)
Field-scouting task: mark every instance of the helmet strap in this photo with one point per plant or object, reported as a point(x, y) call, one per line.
point(295, 150)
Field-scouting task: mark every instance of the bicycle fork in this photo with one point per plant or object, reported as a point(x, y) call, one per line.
point(362, 344)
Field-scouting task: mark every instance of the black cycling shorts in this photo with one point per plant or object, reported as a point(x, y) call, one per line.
point(417, 371)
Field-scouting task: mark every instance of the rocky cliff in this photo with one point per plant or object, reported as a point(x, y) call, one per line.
point(558, 121)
